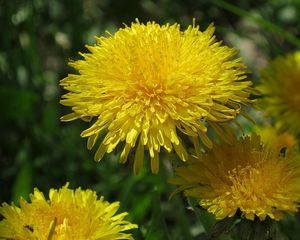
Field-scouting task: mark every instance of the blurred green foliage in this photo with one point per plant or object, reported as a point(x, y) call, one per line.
point(37, 150)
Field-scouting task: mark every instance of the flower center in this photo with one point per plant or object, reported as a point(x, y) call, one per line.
point(148, 95)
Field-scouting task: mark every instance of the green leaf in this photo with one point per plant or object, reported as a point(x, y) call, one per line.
point(23, 182)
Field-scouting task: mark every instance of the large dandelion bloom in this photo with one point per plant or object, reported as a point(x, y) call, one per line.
point(246, 176)
point(68, 214)
point(280, 86)
point(147, 83)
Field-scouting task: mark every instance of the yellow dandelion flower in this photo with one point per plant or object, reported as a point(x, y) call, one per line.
point(280, 85)
point(146, 83)
point(272, 137)
point(245, 176)
point(68, 214)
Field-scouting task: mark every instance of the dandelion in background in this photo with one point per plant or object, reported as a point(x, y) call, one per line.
point(279, 85)
point(247, 176)
point(270, 136)
point(148, 84)
point(68, 214)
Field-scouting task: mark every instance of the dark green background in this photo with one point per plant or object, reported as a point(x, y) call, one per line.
point(37, 150)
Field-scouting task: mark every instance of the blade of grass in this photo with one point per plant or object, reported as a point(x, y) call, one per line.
point(259, 20)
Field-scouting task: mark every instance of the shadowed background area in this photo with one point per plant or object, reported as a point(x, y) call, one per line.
point(37, 150)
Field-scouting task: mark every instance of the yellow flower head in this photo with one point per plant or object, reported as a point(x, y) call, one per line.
point(146, 83)
point(280, 86)
point(272, 137)
point(245, 176)
point(68, 214)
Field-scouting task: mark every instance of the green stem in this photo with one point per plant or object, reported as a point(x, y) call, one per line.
point(182, 218)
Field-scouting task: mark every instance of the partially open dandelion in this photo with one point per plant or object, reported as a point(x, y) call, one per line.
point(280, 84)
point(68, 214)
point(247, 176)
point(146, 83)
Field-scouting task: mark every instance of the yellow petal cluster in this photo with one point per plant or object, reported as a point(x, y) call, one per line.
point(68, 214)
point(247, 176)
point(279, 85)
point(148, 84)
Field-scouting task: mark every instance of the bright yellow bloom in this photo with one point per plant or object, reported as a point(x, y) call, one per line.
point(68, 214)
point(148, 84)
point(280, 86)
point(245, 176)
point(272, 137)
